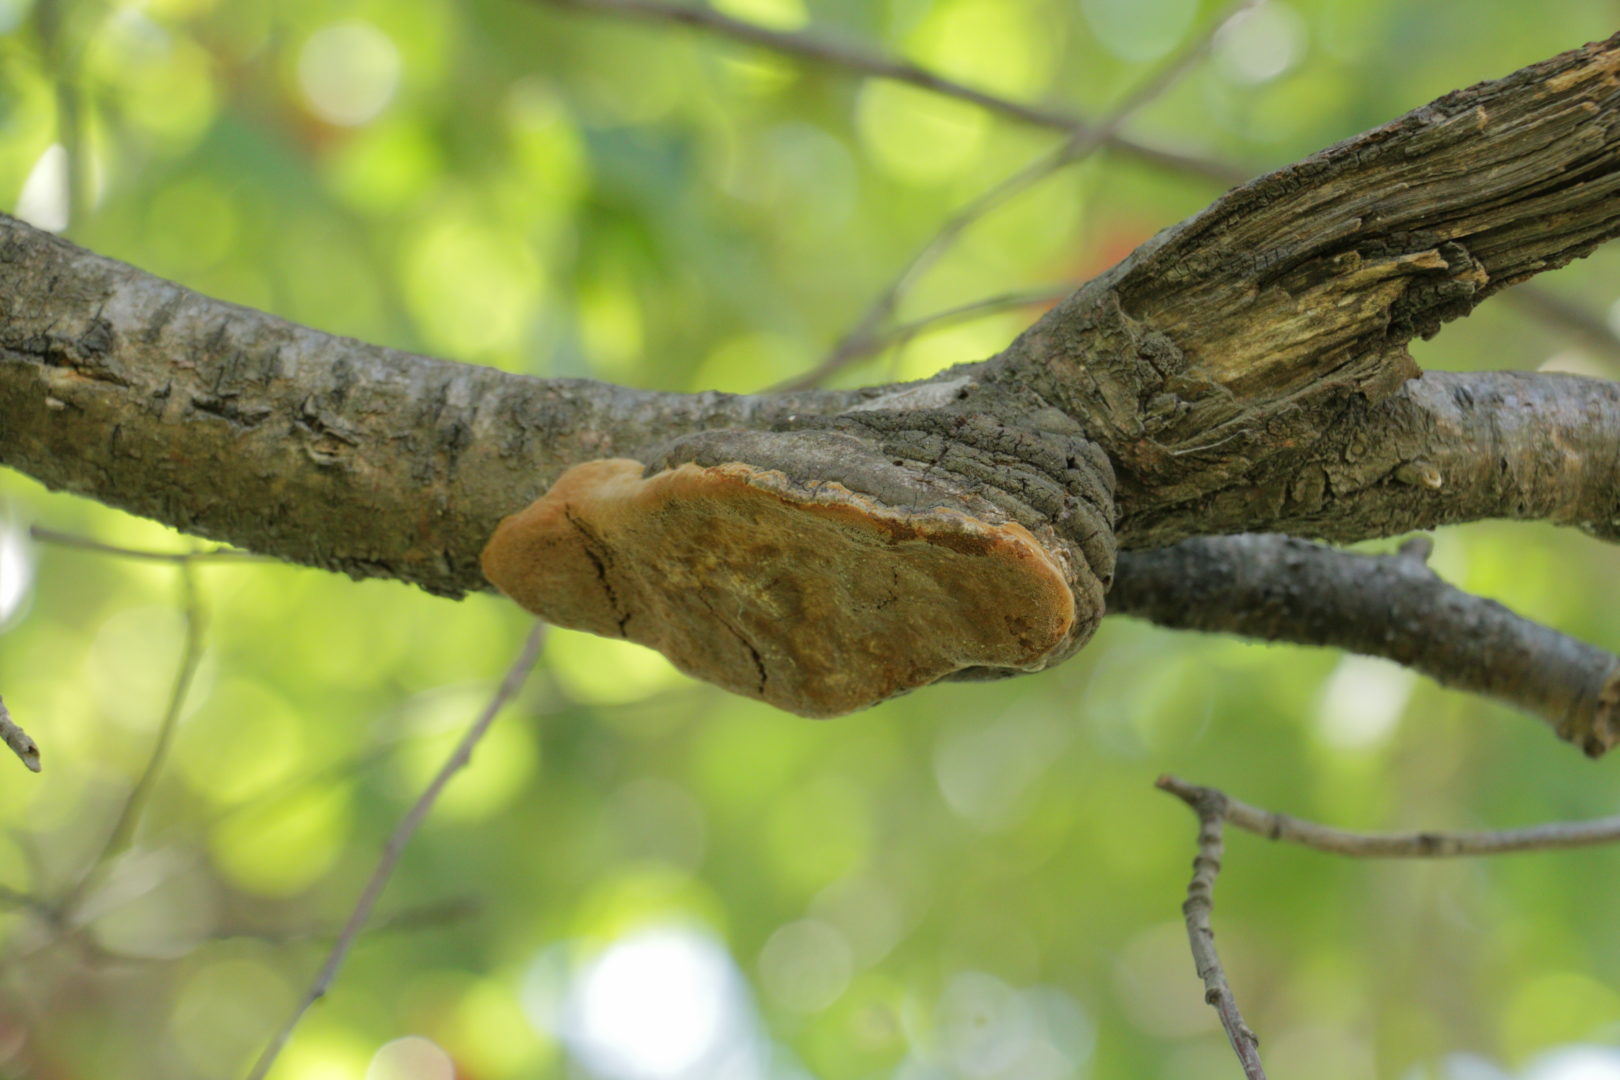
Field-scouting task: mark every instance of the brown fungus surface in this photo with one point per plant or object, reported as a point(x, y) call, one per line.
point(819, 601)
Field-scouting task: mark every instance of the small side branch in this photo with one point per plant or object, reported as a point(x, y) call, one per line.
point(73, 902)
point(1557, 836)
point(1567, 317)
point(401, 836)
point(1214, 808)
point(1278, 588)
point(861, 60)
point(1199, 909)
point(18, 740)
point(40, 534)
point(1080, 145)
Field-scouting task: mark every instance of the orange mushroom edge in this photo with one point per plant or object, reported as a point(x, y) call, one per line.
point(820, 601)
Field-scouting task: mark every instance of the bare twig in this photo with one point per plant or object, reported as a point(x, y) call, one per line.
point(1556, 836)
point(1211, 807)
point(18, 740)
point(865, 61)
point(63, 60)
point(129, 815)
point(962, 313)
point(857, 342)
point(1558, 313)
point(421, 917)
point(1215, 807)
point(396, 845)
point(16, 898)
point(1278, 588)
point(84, 543)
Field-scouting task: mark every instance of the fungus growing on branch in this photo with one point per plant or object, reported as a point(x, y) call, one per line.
point(815, 598)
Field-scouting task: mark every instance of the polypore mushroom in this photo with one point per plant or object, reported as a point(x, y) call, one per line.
point(817, 599)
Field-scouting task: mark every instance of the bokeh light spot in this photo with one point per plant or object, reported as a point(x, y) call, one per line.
point(1261, 43)
point(656, 1005)
point(806, 966)
point(348, 72)
point(1139, 29)
point(411, 1058)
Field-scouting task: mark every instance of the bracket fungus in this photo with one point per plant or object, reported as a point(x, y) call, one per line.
point(815, 598)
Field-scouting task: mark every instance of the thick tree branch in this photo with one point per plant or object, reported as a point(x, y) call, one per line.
point(1281, 589)
point(1446, 448)
point(236, 425)
point(1241, 332)
point(1242, 371)
point(865, 61)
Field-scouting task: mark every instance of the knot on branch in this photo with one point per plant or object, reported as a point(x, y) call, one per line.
point(824, 571)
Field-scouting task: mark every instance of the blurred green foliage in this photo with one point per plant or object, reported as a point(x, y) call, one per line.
point(973, 881)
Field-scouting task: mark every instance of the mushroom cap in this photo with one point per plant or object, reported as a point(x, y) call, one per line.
point(818, 600)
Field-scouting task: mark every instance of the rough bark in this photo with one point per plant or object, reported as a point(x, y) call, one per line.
point(1446, 448)
point(236, 425)
point(1238, 335)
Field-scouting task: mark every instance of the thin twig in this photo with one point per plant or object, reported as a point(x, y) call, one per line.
point(1211, 807)
point(84, 543)
point(18, 740)
point(962, 313)
point(129, 815)
point(422, 917)
point(1556, 836)
point(865, 61)
point(857, 342)
point(1215, 807)
point(401, 836)
point(16, 898)
point(63, 61)
point(1586, 327)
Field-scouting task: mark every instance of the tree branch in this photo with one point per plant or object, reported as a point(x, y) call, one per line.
point(1246, 329)
point(1215, 807)
point(236, 425)
point(513, 681)
point(1277, 588)
point(1186, 391)
point(129, 814)
point(862, 60)
point(1556, 836)
point(1571, 319)
point(1199, 910)
point(41, 534)
point(1446, 448)
point(18, 740)
point(1079, 147)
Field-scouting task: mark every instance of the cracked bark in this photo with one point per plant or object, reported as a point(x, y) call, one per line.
point(1219, 380)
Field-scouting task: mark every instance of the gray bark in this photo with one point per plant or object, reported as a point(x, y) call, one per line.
point(1278, 588)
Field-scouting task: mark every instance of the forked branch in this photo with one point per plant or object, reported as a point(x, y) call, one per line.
point(1215, 808)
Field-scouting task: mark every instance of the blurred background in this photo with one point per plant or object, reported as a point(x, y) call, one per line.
point(641, 878)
